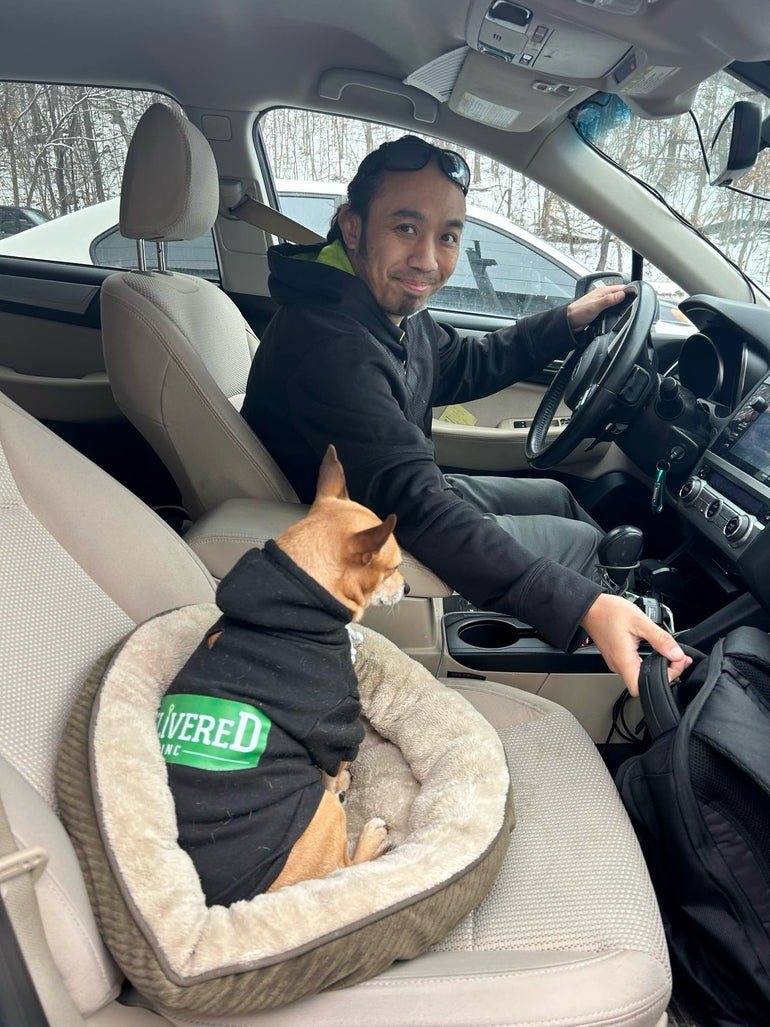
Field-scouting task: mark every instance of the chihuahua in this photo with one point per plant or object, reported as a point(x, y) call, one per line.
point(259, 726)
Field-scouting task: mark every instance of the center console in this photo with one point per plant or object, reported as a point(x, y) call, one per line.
point(727, 499)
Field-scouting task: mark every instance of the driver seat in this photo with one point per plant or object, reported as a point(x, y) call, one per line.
point(176, 348)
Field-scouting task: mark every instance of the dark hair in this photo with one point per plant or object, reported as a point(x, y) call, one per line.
point(366, 182)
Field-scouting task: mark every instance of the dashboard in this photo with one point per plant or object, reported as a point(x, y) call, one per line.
point(726, 496)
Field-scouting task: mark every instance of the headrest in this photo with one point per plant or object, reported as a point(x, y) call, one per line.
point(170, 182)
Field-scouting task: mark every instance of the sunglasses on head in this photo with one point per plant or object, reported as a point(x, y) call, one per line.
point(408, 155)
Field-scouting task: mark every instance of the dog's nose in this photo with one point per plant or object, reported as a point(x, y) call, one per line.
point(406, 589)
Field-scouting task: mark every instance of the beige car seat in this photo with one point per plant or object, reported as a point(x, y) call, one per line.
point(176, 348)
point(569, 936)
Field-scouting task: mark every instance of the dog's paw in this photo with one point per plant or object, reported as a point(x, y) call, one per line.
point(375, 837)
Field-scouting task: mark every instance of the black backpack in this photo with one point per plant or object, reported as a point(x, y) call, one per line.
point(699, 799)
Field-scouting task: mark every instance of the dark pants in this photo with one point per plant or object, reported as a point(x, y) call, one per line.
point(539, 513)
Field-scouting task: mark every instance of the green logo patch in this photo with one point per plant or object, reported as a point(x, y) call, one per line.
point(211, 734)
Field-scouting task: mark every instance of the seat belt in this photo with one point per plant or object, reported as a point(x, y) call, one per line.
point(272, 221)
point(32, 983)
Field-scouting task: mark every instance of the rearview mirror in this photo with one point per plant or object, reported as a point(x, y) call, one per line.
point(736, 143)
point(597, 278)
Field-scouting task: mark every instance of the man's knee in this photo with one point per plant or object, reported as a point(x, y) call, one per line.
point(557, 498)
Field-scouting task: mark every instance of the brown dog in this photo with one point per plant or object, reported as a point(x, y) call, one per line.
point(277, 669)
point(360, 570)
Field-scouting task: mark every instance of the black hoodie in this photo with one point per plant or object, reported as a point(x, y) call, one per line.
point(247, 723)
point(332, 367)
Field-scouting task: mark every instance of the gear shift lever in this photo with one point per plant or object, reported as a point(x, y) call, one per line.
point(618, 553)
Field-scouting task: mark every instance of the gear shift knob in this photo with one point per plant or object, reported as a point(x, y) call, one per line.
point(618, 553)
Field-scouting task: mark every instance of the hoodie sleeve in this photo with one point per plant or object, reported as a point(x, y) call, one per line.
point(347, 391)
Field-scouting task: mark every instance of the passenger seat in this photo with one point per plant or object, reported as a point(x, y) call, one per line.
point(570, 934)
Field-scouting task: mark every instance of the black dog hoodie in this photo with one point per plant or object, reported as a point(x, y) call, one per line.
point(248, 722)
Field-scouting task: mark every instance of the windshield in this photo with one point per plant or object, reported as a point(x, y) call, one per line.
point(666, 154)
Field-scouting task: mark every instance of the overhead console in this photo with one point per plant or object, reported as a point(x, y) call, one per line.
point(523, 62)
point(519, 35)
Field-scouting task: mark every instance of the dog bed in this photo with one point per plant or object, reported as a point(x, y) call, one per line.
point(430, 765)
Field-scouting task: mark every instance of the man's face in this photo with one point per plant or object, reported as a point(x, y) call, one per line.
point(410, 243)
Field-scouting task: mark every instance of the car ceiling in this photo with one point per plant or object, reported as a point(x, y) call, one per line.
point(227, 53)
point(246, 55)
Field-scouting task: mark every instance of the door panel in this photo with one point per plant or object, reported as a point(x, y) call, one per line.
point(490, 434)
point(51, 360)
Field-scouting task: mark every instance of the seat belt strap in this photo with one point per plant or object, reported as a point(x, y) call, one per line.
point(43, 985)
point(272, 221)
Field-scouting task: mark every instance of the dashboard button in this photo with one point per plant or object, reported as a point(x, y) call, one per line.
point(737, 528)
point(689, 491)
point(713, 509)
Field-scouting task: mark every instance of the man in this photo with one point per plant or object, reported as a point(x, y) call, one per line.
point(353, 358)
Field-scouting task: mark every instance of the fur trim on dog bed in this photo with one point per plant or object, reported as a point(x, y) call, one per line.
point(430, 765)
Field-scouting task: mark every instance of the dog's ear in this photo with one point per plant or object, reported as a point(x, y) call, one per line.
point(369, 542)
point(331, 477)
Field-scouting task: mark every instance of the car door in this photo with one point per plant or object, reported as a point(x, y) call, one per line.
point(503, 274)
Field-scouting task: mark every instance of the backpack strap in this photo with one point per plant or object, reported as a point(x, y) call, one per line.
point(663, 702)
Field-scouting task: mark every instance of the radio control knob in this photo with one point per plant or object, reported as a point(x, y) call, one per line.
point(737, 528)
point(688, 493)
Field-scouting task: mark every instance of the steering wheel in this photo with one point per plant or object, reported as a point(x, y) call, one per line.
point(602, 382)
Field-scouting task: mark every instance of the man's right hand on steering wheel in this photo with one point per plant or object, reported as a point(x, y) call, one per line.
point(580, 313)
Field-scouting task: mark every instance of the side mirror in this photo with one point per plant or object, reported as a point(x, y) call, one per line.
point(736, 143)
point(593, 281)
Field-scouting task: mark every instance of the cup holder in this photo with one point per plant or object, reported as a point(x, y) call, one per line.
point(489, 634)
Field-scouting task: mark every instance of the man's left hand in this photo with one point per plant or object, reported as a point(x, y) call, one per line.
point(583, 311)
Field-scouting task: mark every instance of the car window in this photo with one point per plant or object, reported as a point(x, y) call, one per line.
point(523, 246)
point(313, 211)
point(191, 257)
point(498, 274)
point(67, 146)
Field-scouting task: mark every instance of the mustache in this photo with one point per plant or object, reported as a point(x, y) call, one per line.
point(422, 279)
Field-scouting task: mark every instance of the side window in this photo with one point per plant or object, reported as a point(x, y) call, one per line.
point(498, 273)
point(191, 257)
point(523, 247)
point(312, 210)
point(67, 146)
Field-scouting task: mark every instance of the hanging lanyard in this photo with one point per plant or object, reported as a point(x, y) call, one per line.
point(659, 488)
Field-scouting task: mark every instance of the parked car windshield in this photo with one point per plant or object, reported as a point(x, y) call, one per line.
point(667, 155)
